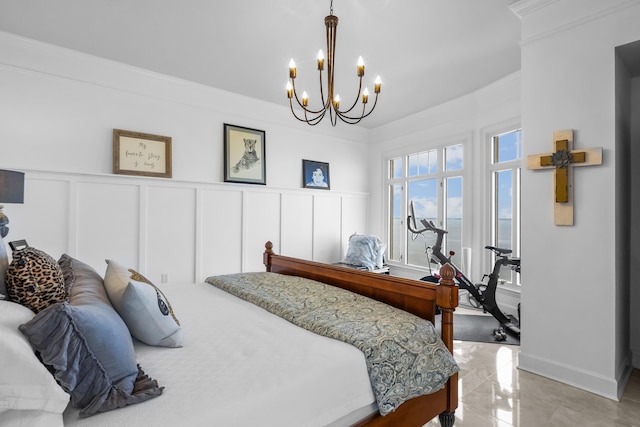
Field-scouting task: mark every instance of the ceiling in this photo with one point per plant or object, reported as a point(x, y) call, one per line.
point(426, 51)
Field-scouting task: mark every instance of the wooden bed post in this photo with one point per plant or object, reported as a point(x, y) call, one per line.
point(447, 300)
point(266, 257)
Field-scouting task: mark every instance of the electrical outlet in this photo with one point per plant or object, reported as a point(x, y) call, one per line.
point(164, 278)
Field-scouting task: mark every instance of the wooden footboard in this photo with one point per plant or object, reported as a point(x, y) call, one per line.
point(417, 297)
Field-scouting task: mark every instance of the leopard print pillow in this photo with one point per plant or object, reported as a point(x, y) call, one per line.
point(34, 279)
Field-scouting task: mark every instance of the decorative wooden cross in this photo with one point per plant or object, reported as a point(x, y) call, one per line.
point(563, 159)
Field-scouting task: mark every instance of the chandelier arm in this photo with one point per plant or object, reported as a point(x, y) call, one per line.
point(314, 120)
point(295, 93)
point(306, 109)
point(317, 119)
point(305, 119)
point(324, 103)
point(375, 102)
point(333, 115)
point(354, 102)
point(354, 120)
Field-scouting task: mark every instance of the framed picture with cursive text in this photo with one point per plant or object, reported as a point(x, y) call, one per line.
point(136, 153)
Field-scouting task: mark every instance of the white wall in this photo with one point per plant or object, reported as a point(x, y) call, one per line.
point(574, 309)
point(59, 108)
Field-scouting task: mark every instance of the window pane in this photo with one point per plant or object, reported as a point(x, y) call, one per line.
point(397, 224)
point(508, 146)
point(395, 168)
point(453, 158)
point(433, 162)
point(423, 163)
point(424, 194)
point(504, 208)
point(413, 165)
point(454, 217)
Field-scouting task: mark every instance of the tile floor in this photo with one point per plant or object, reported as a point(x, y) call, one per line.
point(494, 393)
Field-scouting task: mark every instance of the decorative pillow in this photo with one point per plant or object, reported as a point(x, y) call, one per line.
point(142, 306)
point(34, 279)
point(83, 284)
point(25, 383)
point(365, 251)
point(88, 345)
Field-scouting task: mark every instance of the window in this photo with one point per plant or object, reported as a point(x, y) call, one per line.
point(432, 179)
point(506, 153)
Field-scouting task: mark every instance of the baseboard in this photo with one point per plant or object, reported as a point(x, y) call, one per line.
point(635, 359)
point(624, 374)
point(611, 388)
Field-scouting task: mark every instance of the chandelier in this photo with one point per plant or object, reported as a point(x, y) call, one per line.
point(332, 101)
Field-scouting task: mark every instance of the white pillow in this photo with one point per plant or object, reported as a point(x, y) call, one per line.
point(25, 383)
point(142, 306)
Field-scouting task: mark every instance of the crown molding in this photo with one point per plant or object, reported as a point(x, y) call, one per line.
point(525, 7)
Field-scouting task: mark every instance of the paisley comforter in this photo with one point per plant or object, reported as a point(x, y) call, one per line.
point(404, 355)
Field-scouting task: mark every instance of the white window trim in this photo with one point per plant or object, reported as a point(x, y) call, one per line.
point(487, 200)
point(464, 139)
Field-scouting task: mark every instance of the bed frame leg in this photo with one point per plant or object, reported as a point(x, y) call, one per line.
point(447, 419)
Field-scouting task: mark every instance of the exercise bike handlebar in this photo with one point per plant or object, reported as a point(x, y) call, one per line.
point(428, 226)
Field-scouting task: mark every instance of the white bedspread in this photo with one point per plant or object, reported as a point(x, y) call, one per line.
point(243, 366)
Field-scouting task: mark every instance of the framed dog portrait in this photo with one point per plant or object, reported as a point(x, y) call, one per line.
point(315, 175)
point(244, 155)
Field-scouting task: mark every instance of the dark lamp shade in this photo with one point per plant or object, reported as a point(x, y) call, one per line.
point(11, 186)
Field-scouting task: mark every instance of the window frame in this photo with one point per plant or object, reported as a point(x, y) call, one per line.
point(441, 175)
point(493, 167)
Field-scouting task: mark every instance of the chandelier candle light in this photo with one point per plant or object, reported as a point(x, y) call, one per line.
point(332, 102)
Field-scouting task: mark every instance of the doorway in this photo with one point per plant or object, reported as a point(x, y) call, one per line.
point(627, 157)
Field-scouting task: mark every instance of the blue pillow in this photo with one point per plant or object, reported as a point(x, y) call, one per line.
point(88, 345)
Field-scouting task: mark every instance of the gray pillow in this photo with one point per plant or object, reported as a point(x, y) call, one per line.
point(89, 346)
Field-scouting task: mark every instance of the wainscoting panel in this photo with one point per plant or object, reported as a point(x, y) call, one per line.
point(354, 220)
point(180, 231)
point(327, 239)
point(169, 226)
point(44, 218)
point(262, 213)
point(107, 217)
point(297, 225)
point(220, 233)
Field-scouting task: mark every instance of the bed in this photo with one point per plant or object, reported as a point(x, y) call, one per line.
point(259, 369)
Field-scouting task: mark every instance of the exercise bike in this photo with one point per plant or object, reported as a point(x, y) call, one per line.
point(481, 295)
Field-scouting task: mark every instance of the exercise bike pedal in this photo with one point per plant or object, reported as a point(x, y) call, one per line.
point(499, 334)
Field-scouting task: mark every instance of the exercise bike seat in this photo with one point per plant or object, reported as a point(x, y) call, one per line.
point(499, 251)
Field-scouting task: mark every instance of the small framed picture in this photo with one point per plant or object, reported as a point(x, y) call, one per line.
point(244, 155)
point(136, 153)
point(315, 175)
